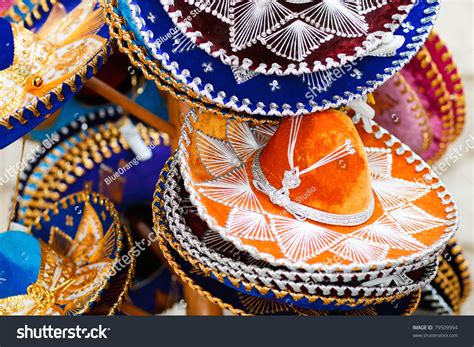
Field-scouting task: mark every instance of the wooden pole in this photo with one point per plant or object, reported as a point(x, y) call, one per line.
point(177, 110)
point(109, 93)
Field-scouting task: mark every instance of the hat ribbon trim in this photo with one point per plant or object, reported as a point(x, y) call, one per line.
point(281, 197)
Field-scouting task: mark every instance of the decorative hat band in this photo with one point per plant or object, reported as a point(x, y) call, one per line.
point(58, 283)
point(292, 179)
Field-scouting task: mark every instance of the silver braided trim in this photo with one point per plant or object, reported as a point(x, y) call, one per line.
point(281, 197)
point(279, 279)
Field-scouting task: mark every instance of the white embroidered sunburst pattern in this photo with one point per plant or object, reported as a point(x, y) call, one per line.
point(295, 41)
point(367, 6)
point(338, 17)
point(394, 192)
point(300, 240)
point(217, 156)
point(386, 232)
point(360, 251)
point(266, 130)
point(252, 19)
point(380, 161)
point(249, 225)
point(244, 141)
point(293, 34)
point(232, 189)
point(414, 220)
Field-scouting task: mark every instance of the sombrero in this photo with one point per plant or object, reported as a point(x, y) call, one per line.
point(92, 153)
point(68, 48)
point(238, 270)
point(452, 285)
point(316, 192)
point(146, 32)
point(447, 67)
point(418, 107)
point(205, 281)
point(72, 261)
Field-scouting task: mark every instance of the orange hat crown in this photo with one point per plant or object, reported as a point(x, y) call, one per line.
point(323, 174)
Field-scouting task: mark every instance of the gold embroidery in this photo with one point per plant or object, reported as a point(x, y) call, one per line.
point(44, 60)
point(72, 270)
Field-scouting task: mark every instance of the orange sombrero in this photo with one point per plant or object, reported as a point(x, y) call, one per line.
point(315, 192)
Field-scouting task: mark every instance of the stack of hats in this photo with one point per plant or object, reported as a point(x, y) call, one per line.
point(313, 213)
point(301, 184)
point(285, 197)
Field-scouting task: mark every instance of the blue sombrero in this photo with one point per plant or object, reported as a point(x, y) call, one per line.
point(175, 60)
point(44, 64)
point(70, 261)
point(92, 153)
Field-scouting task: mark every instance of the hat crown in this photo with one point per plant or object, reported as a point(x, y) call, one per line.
point(321, 161)
point(20, 257)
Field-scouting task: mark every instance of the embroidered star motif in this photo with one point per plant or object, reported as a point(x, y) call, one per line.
point(407, 27)
point(207, 67)
point(357, 74)
point(69, 221)
point(274, 85)
point(151, 17)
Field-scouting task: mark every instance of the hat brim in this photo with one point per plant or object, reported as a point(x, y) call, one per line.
point(85, 228)
point(406, 192)
point(245, 304)
point(194, 20)
point(400, 111)
point(313, 290)
point(34, 110)
point(444, 60)
point(261, 95)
